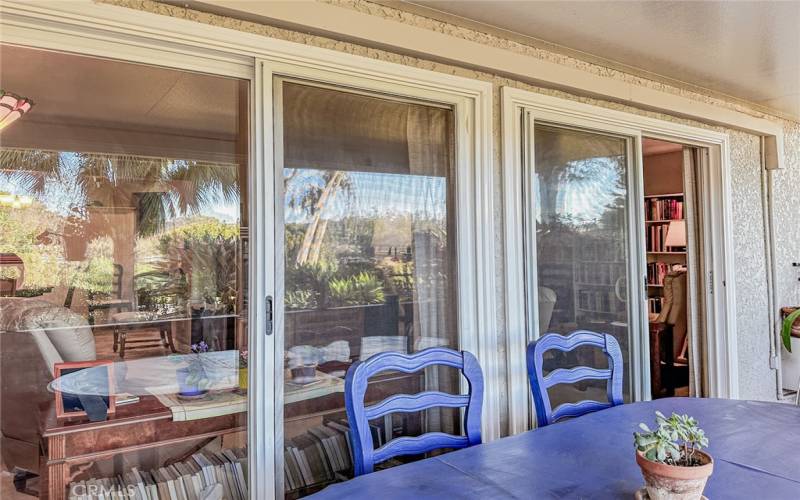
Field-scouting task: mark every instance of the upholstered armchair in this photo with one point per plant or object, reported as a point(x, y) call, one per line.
point(34, 335)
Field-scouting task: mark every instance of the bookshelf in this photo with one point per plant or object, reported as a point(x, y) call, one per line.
point(662, 212)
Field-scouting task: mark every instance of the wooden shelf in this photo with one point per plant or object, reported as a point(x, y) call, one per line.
point(654, 285)
point(670, 195)
point(666, 253)
point(663, 221)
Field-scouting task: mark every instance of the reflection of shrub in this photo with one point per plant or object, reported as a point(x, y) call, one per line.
point(310, 284)
point(207, 249)
point(325, 284)
point(401, 276)
point(300, 299)
point(160, 288)
point(362, 288)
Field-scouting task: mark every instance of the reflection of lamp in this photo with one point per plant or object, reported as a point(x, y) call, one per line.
point(14, 200)
point(12, 107)
point(676, 235)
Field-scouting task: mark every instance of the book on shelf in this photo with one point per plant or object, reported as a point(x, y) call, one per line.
point(655, 304)
point(656, 271)
point(658, 209)
point(185, 480)
point(320, 455)
point(656, 239)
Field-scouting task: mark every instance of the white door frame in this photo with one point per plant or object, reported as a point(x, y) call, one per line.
point(470, 100)
point(722, 353)
point(101, 30)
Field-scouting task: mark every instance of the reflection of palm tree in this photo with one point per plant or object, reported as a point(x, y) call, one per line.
point(174, 186)
point(314, 200)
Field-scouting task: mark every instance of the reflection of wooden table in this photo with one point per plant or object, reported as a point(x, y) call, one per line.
point(323, 386)
point(130, 322)
point(136, 427)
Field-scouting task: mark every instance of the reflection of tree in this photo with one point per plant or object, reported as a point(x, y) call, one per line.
point(581, 192)
point(313, 200)
point(206, 250)
point(174, 186)
point(161, 189)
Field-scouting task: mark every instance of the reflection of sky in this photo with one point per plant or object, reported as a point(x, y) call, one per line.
point(64, 195)
point(371, 195)
point(585, 190)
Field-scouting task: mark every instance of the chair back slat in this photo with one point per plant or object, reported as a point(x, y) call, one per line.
point(418, 445)
point(407, 403)
point(545, 415)
point(410, 363)
point(566, 410)
point(572, 375)
point(365, 456)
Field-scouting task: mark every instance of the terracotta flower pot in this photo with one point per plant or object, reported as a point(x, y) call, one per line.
point(671, 482)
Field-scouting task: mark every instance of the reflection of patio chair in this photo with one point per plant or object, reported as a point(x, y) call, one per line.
point(114, 300)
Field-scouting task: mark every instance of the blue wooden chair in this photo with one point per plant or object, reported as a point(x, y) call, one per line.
point(545, 415)
point(364, 455)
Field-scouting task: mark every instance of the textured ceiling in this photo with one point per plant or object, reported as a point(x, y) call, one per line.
point(747, 50)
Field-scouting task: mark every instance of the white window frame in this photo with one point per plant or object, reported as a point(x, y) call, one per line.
point(721, 306)
point(470, 100)
point(86, 28)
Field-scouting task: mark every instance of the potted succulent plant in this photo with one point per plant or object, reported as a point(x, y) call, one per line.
point(670, 456)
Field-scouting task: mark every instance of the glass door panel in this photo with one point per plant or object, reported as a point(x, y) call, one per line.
point(580, 211)
point(123, 314)
point(369, 255)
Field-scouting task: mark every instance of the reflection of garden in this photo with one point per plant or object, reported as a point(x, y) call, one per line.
point(203, 246)
point(139, 228)
point(345, 253)
point(32, 234)
point(348, 272)
point(366, 262)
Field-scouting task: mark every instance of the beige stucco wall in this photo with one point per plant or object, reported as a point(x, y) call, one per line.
point(756, 379)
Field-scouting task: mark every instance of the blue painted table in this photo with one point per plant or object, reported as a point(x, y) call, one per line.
point(756, 449)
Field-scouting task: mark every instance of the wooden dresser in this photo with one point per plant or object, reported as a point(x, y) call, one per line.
point(69, 444)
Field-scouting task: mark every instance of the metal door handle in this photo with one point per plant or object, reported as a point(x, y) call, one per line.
point(269, 315)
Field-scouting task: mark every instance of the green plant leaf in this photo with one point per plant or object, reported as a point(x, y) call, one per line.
point(786, 329)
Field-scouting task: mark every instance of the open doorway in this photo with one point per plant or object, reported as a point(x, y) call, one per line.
point(671, 225)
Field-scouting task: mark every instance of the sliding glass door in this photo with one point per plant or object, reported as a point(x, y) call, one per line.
point(580, 267)
point(368, 243)
point(124, 333)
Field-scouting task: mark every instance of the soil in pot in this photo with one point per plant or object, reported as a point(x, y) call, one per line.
point(671, 482)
